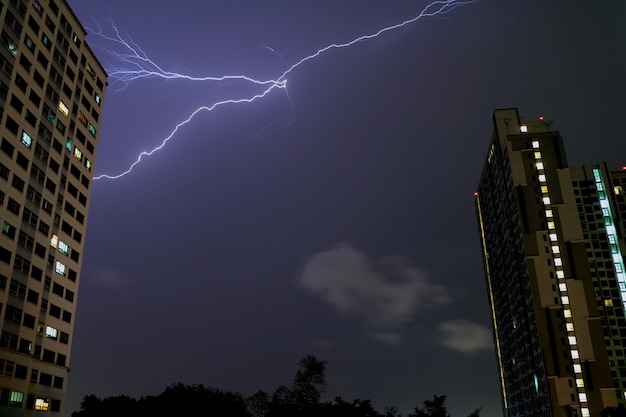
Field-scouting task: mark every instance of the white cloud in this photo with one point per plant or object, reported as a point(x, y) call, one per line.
point(465, 336)
point(384, 294)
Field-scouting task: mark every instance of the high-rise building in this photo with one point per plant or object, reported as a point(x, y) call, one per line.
point(51, 92)
point(553, 239)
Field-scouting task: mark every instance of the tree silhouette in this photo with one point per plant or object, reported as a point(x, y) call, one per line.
point(302, 399)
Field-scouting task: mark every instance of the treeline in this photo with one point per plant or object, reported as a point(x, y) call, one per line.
point(302, 399)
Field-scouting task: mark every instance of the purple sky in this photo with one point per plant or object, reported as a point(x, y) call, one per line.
point(350, 233)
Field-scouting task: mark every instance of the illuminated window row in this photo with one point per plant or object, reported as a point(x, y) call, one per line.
point(560, 274)
point(618, 261)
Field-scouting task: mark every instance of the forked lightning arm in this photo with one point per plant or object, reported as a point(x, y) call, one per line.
point(134, 64)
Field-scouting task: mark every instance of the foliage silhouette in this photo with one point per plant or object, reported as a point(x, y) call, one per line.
point(302, 399)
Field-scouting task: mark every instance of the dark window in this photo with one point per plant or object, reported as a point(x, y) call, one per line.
point(46, 379)
point(32, 297)
point(55, 311)
point(29, 321)
point(13, 206)
point(7, 148)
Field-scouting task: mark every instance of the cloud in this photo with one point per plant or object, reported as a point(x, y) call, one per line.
point(465, 336)
point(384, 294)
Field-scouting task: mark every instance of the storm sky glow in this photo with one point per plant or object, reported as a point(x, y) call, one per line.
point(348, 232)
point(134, 64)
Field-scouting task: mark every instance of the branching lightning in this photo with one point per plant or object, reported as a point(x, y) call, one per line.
point(135, 64)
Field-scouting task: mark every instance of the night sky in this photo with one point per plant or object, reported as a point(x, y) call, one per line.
point(346, 229)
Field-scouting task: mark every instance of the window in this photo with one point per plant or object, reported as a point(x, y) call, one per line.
point(32, 297)
point(51, 332)
point(67, 316)
point(7, 148)
point(16, 399)
point(60, 126)
point(63, 247)
point(92, 130)
point(60, 268)
point(4, 172)
point(57, 289)
point(26, 139)
point(63, 108)
point(46, 206)
point(37, 7)
point(55, 311)
point(17, 289)
point(17, 183)
point(8, 230)
point(78, 154)
point(43, 228)
point(42, 404)
point(14, 207)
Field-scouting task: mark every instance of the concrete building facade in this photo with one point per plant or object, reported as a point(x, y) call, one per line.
point(552, 238)
point(51, 95)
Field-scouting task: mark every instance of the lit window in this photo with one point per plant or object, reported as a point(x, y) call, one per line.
point(556, 249)
point(98, 99)
point(54, 241)
point(571, 340)
point(546, 200)
point(88, 164)
point(567, 313)
point(579, 382)
point(575, 354)
point(549, 213)
point(553, 237)
point(51, 332)
point(539, 165)
point(16, 398)
point(560, 274)
point(542, 178)
point(608, 303)
point(562, 287)
point(26, 139)
point(565, 299)
point(544, 189)
point(78, 154)
point(42, 404)
point(63, 108)
point(92, 130)
point(550, 225)
point(578, 369)
point(582, 397)
point(537, 155)
point(585, 412)
point(69, 145)
point(536, 144)
point(63, 247)
point(13, 48)
point(558, 261)
point(60, 268)
point(82, 118)
point(523, 129)
point(618, 190)
point(569, 327)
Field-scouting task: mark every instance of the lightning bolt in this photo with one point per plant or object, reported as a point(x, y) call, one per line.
point(133, 64)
